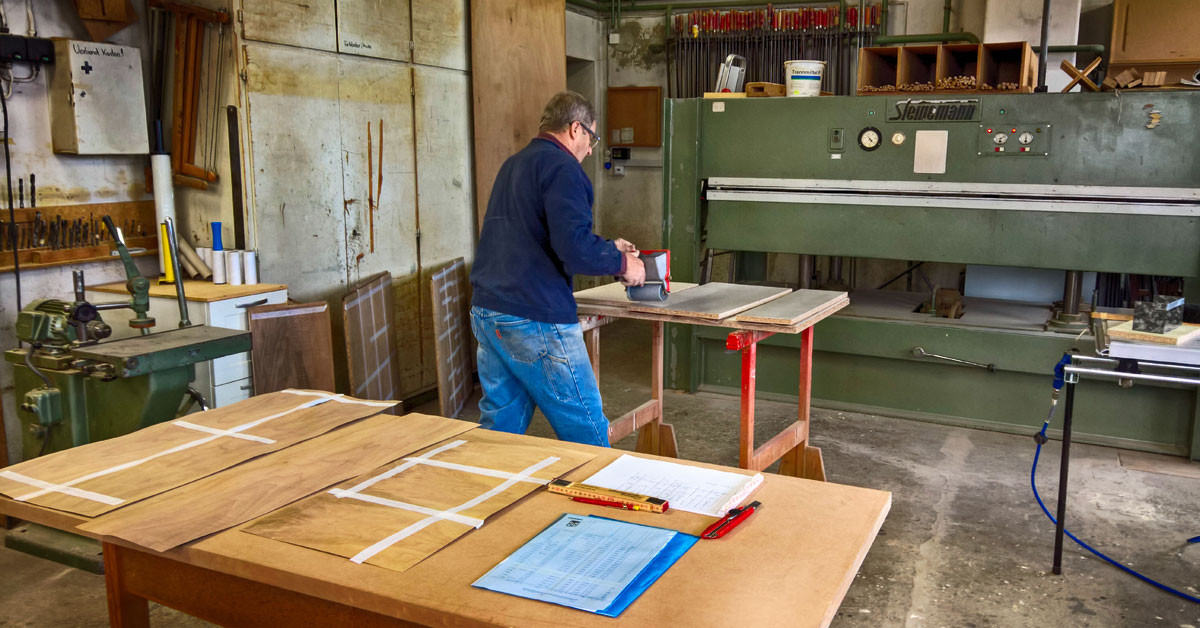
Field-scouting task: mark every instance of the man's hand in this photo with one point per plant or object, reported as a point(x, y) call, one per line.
point(635, 271)
point(625, 246)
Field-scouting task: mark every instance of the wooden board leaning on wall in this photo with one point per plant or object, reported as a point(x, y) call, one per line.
point(134, 218)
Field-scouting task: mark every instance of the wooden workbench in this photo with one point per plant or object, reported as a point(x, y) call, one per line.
point(602, 305)
point(790, 564)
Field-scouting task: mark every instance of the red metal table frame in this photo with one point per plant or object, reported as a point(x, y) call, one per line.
point(790, 447)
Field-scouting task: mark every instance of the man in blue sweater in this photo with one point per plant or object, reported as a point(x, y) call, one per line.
point(536, 234)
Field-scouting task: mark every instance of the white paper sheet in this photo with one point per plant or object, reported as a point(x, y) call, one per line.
point(694, 489)
point(580, 562)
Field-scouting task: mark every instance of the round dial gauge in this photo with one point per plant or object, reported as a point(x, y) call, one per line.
point(1025, 137)
point(1000, 138)
point(869, 138)
point(897, 138)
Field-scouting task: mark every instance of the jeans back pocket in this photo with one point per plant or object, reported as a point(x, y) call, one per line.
point(521, 338)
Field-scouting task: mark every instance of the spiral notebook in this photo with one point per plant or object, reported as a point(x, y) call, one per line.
point(693, 489)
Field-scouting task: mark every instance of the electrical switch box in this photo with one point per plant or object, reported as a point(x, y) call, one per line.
point(97, 99)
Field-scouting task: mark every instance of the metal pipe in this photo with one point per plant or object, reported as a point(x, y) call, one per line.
point(1099, 49)
point(889, 40)
point(806, 271)
point(710, 4)
point(587, 4)
point(1072, 289)
point(883, 12)
point(1041, 84)
point(173, 242)
point(1145, 377)
point(946, 18)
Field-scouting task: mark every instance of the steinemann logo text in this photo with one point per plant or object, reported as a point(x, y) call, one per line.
point(909, 110)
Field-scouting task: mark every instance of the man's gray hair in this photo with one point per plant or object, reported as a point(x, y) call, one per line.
point(565, 108)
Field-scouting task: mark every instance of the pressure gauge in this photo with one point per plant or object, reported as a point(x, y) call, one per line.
point(1000, 138)
point(869, 138)
point(1025, 138)
point(897, 138)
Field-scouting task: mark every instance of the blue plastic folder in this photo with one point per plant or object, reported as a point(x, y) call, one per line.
point(595, 564)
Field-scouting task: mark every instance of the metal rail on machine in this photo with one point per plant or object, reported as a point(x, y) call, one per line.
point(1031, 197)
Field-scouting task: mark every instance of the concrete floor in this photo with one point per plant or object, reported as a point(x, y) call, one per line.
point(964, 545)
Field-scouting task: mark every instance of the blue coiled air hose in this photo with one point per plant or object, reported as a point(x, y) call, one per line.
point(1041, 438)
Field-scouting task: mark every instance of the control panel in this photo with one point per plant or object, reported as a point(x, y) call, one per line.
point(1014, 140)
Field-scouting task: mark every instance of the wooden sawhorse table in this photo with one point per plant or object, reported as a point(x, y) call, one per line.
point(798, 458)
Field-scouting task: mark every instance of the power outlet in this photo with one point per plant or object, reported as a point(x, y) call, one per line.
point(618, 170)
point(18, 49)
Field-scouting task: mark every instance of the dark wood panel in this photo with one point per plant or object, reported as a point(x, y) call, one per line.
point(291, 347)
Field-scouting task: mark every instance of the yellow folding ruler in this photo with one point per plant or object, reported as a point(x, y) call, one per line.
point(632, 501)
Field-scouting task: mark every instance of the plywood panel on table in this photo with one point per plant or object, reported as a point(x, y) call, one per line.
point(368, 314)
point(264, 484)
point(303, 23)
point(439, 29)
point(161, 457)
point(712, 300)
point(444, 176)
point(452, 338)
point(291, 346)
point(614, 294)
point(295, 137)
point(374, 28)
point(794, 307)
point(409, 528)
point(518, 61)
point(372, 94)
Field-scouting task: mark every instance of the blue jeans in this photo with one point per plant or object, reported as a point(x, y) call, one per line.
point(525, 363)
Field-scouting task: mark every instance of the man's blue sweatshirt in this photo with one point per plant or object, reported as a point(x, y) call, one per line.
point(537, 233)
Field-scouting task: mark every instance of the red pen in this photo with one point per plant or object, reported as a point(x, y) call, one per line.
point(730, 521)
point(604, 502)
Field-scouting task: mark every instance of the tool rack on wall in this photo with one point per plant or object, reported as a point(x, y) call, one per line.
point(69, 234)
point(700, 40)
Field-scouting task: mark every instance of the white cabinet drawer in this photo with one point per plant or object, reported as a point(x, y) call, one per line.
point(232, 392)
point(231, 368)
point(231, 313)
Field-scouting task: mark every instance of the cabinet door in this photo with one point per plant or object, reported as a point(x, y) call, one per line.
point(376, 121)
point(295, 141)
point(369, 28)
point(1155, 30)
point(439, 33)
point(308, 24)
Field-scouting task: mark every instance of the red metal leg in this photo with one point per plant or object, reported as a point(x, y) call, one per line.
point(791, 445)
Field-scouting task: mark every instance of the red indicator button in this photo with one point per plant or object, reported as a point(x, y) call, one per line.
point(989, 130)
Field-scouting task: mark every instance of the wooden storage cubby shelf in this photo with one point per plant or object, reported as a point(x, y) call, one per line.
point(1010, 62)
point(878, 67)
point(918, 66)
point(988, 64)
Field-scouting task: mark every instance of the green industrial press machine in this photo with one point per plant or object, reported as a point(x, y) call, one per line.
point(72, 387)
point(1079, 182)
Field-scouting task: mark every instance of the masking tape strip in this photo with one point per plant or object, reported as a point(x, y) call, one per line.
point(404, 467)
point(383, 501)
point(428, 521)
point(492, 473)
point(57, 488)
point(219, 432)
point(47, 487)
point(340, 398)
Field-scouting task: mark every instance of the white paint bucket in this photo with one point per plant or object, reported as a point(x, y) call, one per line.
point(803, 77)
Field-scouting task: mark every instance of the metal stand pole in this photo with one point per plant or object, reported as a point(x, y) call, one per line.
point(1063, 466)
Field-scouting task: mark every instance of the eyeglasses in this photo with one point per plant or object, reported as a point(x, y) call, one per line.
point(595, 138)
